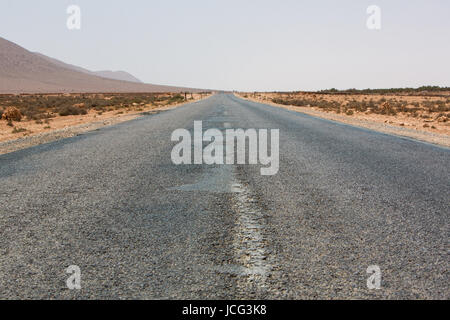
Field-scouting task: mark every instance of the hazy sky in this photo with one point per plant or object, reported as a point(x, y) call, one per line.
point(244, 44)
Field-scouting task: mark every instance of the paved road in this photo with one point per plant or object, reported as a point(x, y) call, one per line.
point(138, 226)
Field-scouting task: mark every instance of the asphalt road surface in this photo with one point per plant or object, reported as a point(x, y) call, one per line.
point(139, 227)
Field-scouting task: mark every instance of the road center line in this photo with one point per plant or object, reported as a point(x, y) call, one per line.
point(249, 244)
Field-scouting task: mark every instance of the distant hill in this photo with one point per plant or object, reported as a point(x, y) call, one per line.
point(115, 75)
point(118, 75)
point(22, 71)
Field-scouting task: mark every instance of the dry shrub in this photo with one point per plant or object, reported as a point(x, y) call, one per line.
point(12, 114)
point(19, 130)
point(72, 111)
point(442, 118)
point(387, 108)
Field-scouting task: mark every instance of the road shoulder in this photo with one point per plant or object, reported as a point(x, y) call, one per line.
point(76, 125)
point(388, 128)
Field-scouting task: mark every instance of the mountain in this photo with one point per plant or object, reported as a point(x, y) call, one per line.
point(22, 71)
point(115, 75)
point(118, 75)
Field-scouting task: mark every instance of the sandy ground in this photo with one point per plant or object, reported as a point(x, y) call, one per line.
point(64, 127)
point(400, 124)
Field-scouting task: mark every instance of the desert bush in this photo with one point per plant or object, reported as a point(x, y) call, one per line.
point(12, 113)
point(387, 109)
point(176, 98)
point(72, 111)
point(32, 114)
point(358, 106)
point(18, 130)
point(442, 117)
point(434, 89)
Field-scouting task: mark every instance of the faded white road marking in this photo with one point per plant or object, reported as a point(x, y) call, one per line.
point(249, 243)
